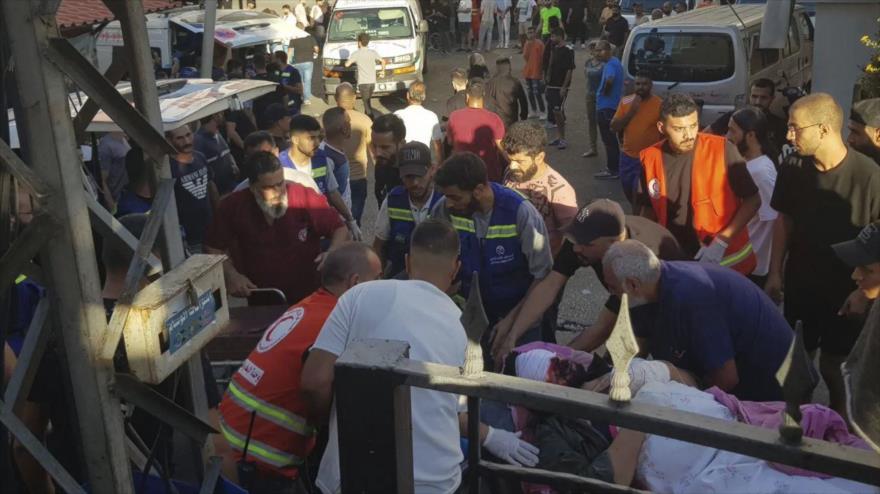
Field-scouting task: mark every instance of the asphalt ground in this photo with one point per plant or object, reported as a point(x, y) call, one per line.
point(584, 296)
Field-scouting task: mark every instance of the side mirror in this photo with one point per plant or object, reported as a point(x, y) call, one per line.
point(423, 26)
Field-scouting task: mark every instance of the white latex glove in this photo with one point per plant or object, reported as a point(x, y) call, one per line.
point(643, 371)
point(712, 253)
point(355, 230)
point(510, 448)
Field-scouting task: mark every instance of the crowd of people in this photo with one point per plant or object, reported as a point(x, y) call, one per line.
point(720, 228)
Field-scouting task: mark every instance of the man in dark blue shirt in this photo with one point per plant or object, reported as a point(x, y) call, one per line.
point(706, 319)
point(193, 187)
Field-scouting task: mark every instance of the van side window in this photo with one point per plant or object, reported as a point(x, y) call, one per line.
point(794, 40)
point(761, 58)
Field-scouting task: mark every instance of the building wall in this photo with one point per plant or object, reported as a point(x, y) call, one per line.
point(838, 56)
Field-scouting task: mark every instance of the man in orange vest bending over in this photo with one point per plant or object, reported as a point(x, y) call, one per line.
point(261, 410)
point(697, 186)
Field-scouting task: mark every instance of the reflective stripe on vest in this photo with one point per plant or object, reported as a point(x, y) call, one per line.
point(463, 224)
point(259, 450)
point(400, 214)
point(276, 415)
point(20, 278)
point(319, 172)
point(501, 231)
point(737, 256)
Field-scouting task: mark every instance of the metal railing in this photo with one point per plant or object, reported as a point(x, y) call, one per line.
point(372, 390)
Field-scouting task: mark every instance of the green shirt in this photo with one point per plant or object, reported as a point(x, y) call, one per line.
point(546, 14)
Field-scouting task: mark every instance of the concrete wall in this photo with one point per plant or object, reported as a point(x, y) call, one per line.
point(837, 53)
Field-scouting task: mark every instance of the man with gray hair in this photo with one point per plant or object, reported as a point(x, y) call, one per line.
point(422, 125)
point(706, 319)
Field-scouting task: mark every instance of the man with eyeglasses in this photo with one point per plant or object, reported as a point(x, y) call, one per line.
point(272, 232)
point(825, 194)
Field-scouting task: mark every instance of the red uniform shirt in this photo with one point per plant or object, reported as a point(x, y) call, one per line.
point(280, 255)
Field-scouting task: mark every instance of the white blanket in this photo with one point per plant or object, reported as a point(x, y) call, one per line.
point(671, 466)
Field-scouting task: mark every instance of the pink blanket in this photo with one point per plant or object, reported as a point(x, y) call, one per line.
point(818, 422)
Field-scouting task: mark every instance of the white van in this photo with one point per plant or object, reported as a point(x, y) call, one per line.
point(177, 34)
point(713, 54)
point(397, 33)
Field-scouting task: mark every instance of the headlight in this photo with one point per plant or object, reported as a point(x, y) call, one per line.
point(403, 58)
point(332, 62)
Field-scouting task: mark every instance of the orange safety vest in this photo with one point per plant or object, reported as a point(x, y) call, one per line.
point(266, 387)
point(713, 201)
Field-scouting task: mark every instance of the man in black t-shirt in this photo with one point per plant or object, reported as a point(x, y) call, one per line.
point(616, 30)
point(558, 79)
point(262, 73)
point(825, 193)
point(505, 94)
point(594, 230)
point(193, 187)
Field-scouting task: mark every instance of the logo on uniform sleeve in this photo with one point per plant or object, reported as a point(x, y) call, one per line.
point(499, 250)
point(583, 215)
point(303, 234)
point(250, 372)
point(280, 329)
point(654, 189)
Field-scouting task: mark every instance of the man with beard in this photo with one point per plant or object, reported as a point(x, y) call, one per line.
point(761, 95)
point(503, 237)
point(705, 319)
point(272, 233)
point(305, 155)
point(405, 207)
point(825, 193)
point(636, 118)
point(597, 227)
point(698, 186)
point(864, 128)
point(534, 178)
point(193, 187)
point(748, 131)
point(388, 134)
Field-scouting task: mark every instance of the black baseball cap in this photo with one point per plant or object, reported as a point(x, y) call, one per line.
point(866, 112)
point(862, 250)
point(414, 158)
point(600, 218)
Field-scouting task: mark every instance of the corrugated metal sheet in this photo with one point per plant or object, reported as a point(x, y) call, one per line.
point(73, 13)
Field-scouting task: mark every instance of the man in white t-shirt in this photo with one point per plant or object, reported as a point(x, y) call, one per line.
point(749, 131)
point(422, 125)
point(524, 11)
point(299, 11)
point(386, 310)
point(463, 14)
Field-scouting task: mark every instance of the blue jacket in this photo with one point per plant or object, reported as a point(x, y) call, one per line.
point(319, 167)
point(402, 223)
point(504, 270)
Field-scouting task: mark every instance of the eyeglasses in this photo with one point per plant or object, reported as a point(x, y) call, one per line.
point(796, 130)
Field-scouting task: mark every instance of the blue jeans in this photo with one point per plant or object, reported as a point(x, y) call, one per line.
point(535, 91)
point(630, 171)
point(305, 71)
point(358, 197)
point(609, 139)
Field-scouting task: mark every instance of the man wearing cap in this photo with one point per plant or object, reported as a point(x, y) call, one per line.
point(863, 394)
point(405, 207)
point(503, 237)
point(597, 227)
point(864, 128)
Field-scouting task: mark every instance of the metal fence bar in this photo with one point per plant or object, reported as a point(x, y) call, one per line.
point(556, 479)
point(29, 358)
point(474, 446)
point(812, 454)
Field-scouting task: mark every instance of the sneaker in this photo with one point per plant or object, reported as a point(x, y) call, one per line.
point(561, 144)
point(307, 102)
point(549, 125)
point(606, 175)
point(583, 46)
point(590, 153)
point(554, 142)
point(542, 115)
